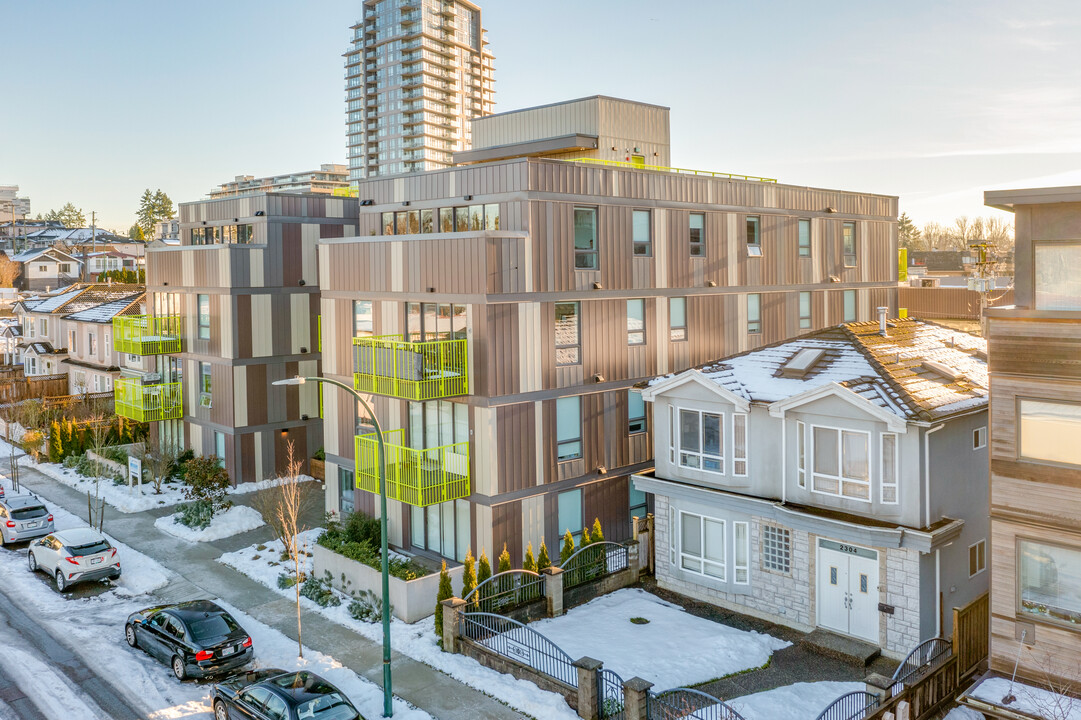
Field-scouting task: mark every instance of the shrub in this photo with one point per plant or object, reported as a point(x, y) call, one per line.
point(568, 547)
point(529, 563)
point(321, 590)
point(196, 514)
point(180, 465)
point(32, 442)
point(485, 570)
point(504, 560)
point(367, 607)
point(115, 454)
point(543, 561)
point(586, 539)
point(469, 573)
point(286, 581)
point(358, 527)
point(597, 534)
point(338, 538)
point(320, 454)
point(56, 443)
point(207, 480)
point(445, 592)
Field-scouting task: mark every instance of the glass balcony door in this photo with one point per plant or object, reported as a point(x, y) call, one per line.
point(443, 528)
point(427, 322)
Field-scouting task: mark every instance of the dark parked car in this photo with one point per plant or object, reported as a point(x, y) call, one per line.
point(279, 695)
point(196, 638)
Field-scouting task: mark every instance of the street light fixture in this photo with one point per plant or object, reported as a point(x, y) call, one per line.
point(388, 710)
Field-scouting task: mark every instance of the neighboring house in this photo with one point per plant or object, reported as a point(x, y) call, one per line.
point(41, 358)
point(11, 336)
point(104, 261)
point(93, 362)
point(836, 480)
point(166, 230)
point(47, 269)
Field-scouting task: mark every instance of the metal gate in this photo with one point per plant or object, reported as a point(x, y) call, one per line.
point(609, 695)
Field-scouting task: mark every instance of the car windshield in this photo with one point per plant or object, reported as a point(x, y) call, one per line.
point(27, 513)
point(211, 627)
point(90, 549)
point(327, 707)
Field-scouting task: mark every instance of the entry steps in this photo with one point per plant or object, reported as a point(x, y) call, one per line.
point(849, 650)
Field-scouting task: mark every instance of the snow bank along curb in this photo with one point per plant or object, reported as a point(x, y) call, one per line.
point(120, 497)
point(235, 520)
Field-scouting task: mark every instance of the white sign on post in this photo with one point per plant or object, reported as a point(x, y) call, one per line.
point(135, 473)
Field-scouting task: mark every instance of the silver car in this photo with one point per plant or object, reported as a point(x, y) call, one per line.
point(72, 556)
point(23, 517)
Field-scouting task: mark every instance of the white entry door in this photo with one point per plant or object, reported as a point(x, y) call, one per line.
point(847, 589)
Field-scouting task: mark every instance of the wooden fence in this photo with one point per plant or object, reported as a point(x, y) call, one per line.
point(971, 633)
point(947, 303)
point(39, 386)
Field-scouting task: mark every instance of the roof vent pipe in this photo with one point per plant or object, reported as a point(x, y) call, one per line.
point(882, 320)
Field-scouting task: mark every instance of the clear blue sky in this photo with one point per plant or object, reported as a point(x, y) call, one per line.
point(934, 101)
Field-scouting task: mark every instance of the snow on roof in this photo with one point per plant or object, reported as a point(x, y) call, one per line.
point(51, 304)
point(31, 255)
point(45, 348)
point(97, 295)
point(105, 312)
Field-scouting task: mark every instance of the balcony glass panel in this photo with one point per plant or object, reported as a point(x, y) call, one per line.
point(418, 477)
point(148, 403)
point(389, 365)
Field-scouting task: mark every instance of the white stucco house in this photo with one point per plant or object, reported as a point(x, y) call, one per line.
point(835, 481)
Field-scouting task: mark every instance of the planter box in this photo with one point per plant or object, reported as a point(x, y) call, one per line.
point(411, 600)
point(319, 469)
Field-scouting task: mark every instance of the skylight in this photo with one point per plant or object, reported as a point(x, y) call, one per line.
point(802, 362)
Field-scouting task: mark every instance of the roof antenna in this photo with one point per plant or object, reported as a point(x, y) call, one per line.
point(882, 321)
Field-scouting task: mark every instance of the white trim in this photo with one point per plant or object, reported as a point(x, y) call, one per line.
point(882, 484)
point(981, 541)
point(701, 452)
point(841, 478)
point(651, 393)
point(736, 459)
point(801, 472)
point(893, 422)
point(979, 438)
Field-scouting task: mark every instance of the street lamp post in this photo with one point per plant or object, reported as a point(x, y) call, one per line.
point(388, 710)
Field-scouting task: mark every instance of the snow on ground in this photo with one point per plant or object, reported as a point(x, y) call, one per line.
point(62, 701)
point(1035, 701)
point(964, 713)
point(235, 520)
point(602, 629)
point(800, 701)
point(417, 641)
point(121, 497)
point(250, 487)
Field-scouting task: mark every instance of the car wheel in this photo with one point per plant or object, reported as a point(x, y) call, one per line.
point(129, 635)
point(220, 711)
point(178, 668)
point(61, 582)
point(32, 561)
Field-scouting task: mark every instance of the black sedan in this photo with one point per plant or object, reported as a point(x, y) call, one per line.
point(195, 638)
point(279, 695)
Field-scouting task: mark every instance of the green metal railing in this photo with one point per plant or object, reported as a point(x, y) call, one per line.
point(390, 365)
point(148, 403)
point(664, 168)
point(148, 334)
point(415, 477)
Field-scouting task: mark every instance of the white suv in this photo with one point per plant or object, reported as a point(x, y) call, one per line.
point(71, 556)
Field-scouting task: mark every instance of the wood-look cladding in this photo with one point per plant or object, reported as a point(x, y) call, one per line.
point(1045, 348)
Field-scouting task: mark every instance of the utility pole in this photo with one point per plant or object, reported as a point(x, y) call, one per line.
point(93, 240)
point(983, 282)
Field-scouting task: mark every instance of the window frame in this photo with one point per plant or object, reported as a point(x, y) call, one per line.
point(203, 328)
point(746, 546)
point(569, 439)
point(845, 317)
point(980, 546)
point(206, 383)
point(1019, 584)
point(840, 477)
point(636, 424)
point(677, 333)
point(771, 554)
point(849, 244)
point(754, 326)
point(882, 484)
point(701, 453)
point(697, 247)
point(577, 345)
point(753, 241)
point(803, 250)
point(636, 337)
point(591, 252)
point(806, 322)
point(357, 332)
point(641, 247)
point(1042, 299)
point(979, 438)
point(1020, 439)
point(801, 454)
point(682, 555)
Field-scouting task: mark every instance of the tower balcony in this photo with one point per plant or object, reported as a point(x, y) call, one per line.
point(148, 334)
point(148, 403)
point(418, 477)
point(418, 371)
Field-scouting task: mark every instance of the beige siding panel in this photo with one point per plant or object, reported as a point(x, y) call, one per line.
point(300, 324)
point(309, 392)
point(485, 454)
point(258, 259)
point(482, 527)
point(331, 416)
point(261, 324)
point(240, 395)
point(538, 420)
point(396, 253)
point(532, 522)
point(529, 350)
point(188, 269)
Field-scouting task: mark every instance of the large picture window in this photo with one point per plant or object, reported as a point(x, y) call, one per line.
point(701, 545)
point(701, 444)
point(1057, 283)
point(1049, 582)
point(568, 334)
point(1049, 432)
point(840, 463)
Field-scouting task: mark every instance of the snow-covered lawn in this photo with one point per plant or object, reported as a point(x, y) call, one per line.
point(964, 713)
point(682, 649)
point(801, 701)
point(417, 641)
point(1036, 701)
point(121, 497)
point(235, 520)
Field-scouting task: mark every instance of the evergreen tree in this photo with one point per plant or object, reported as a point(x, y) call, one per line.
point(56, 443)
point(543, 560)
point(445, 593)
point(504, 559)
point(485, 570)
point(529, 563)
point(146, 215)
point(163, 206)
point(69, 216)
point(908, 235)
point(469, 573)
point(136, 233)
point(586, 539)
point(568, 547)
point(597, 534)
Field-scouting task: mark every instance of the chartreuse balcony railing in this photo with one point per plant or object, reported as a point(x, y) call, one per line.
point(419, 477)
point(148, 334)
point(391, 365)
point(148, 403)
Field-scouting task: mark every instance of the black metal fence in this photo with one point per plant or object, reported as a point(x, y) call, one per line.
point(515, 641)
point(687, 704)
point(506, 591)
point(851, 706)
point(609, 695)
point(593, 562)
point(926, 656)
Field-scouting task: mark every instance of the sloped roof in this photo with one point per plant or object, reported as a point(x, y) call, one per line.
point(30, 255)
point(919, 371)
point(105, 312)
point(54, 302)
point(45, 348)
point(79, 298)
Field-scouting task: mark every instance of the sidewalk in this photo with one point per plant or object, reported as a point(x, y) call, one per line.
point(201, 576)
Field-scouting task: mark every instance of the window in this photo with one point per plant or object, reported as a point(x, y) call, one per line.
point(568, 428)
point(108, 346)
point(801, 453)
point(428, 322)
point(585, 238)
point(568, 334)
point(204, 317)
point(65, 268)
point(1048, 582)
point(776, 549)
point(805, 238)
point(739, 444)
point(346, 488)
point(979, 438)
point(754, 313)
point(701, 545)
point(426, 221)
point(850, 306)
point(491, 217)
point(754, 240)
point(698, 234)
point(1049, 432)
point(638, 505)
point(43, 268)
point(44, 327)
point(570, 513)
point(219, 445)
point(701, 443)
point(805, 310)
point(840, 463)
point(636, 322)
point(741, 540)
point(677, 319)
point(636, 412)
point(362, 318)
point(91, 343)
point(204, 378)
point(388, 223)
point(977, 558)
point(888, 474)
point(640, 227)
point(849, 243)
point(1055, 280)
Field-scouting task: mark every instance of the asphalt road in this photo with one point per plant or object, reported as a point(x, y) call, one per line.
point(18, 630)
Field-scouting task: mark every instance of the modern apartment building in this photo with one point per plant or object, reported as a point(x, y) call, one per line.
point(1035, 348)
point(232, 309)
point(500, 314)
point(417, 71)
point(325, 180)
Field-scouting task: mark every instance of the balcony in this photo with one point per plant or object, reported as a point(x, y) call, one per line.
point(148, 403)
point(390, 365)
point(415, 477)
point(148, 335)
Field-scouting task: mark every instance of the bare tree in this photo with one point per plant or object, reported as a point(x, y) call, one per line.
point(158, 460)
point(289, 496)
point(9, 271)
point(98, 432)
